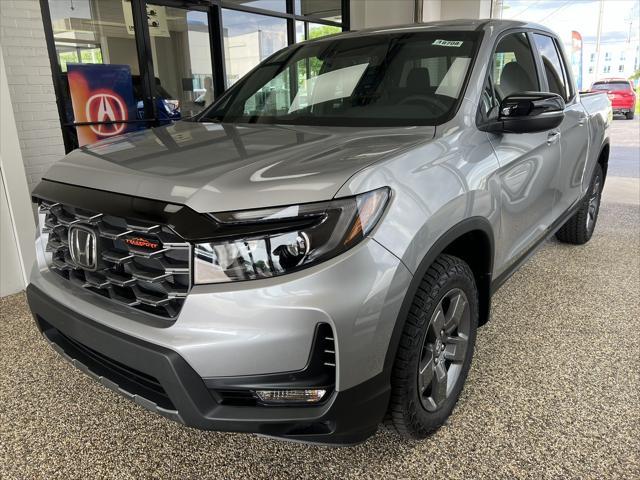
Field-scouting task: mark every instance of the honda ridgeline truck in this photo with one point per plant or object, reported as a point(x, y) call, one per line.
point(311, 255)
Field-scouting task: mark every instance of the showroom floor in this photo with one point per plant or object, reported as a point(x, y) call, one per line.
point(554, 391)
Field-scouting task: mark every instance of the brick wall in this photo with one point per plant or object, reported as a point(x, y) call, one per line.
point(30, 85)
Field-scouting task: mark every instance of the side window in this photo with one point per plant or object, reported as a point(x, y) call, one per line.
point(553, 67)
point(513, 69)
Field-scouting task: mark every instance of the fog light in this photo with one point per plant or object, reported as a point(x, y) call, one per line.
point(291, 396)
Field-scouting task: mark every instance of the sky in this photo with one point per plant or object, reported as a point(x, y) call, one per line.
point(620, 22)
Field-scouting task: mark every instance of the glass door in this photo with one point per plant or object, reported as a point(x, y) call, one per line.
point(181, 52)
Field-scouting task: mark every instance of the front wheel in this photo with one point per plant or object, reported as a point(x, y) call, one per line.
point(630, 115)
point(435, 350)
point(579, 228)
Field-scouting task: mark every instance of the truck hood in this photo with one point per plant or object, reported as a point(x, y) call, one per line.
point(214, 167)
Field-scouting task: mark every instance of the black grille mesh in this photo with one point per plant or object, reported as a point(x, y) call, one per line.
point(154, 279)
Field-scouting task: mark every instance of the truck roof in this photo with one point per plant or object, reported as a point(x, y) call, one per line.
point(468, 25)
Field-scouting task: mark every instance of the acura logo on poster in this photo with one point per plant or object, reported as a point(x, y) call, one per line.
point(102, 96)
point(106, 107)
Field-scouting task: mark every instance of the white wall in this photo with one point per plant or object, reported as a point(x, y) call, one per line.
point(30, 83)
point(434, 10)
point(380, 13)
point(17, 223)
point(11, 279)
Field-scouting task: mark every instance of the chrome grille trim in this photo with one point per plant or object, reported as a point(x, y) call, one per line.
point(155, 281)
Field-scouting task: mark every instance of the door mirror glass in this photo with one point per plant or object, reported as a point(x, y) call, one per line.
point(527, 112)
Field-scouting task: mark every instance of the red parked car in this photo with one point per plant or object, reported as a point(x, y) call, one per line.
point(621, 94)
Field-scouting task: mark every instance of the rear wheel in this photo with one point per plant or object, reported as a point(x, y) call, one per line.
point(630, 115)
point(435, 350)
point(579, 228)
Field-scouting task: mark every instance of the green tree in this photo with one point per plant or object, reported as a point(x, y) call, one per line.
point(317, 31)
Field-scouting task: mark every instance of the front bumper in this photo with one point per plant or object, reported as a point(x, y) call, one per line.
point(160, 380)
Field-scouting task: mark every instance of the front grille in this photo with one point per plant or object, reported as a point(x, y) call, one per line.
point(145, 266)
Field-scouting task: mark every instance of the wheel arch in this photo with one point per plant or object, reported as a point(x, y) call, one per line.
point(603, 158)
point(471, 240)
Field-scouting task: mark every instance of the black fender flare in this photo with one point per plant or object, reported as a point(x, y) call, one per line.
point(465, 226)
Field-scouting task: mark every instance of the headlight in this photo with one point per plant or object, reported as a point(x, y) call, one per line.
point(274, 241)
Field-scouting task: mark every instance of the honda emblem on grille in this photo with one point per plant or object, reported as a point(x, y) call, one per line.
point(83, 246)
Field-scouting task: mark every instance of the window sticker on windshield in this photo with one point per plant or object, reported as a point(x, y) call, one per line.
point(448, 43)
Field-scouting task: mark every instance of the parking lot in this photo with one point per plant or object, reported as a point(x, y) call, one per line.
point(553, 391)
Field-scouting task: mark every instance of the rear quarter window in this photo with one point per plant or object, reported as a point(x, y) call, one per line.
point(554, 68)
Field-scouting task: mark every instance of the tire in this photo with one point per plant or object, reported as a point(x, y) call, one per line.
point(421, 399)
point(630, 115)
point(579, 228)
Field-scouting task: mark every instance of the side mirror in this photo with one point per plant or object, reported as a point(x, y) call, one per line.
point(527, 112)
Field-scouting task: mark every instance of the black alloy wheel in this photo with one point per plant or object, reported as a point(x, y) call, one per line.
point(444, 349)
point(435, 350)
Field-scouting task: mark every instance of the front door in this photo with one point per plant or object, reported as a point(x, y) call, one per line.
point(529, 162)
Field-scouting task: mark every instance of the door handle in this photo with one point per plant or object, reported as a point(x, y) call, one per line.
point(553, 137)
point(581, 121)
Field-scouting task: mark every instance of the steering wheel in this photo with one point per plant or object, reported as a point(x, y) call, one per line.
point(429, 101)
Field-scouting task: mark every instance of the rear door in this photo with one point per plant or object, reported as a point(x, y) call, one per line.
point(574, 136)
point(529, 162)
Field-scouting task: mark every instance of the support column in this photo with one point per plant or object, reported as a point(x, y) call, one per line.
point(17, 222)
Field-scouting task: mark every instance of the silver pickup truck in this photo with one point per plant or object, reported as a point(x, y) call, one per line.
point(312, 255)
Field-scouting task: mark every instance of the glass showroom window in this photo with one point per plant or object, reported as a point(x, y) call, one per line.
point(317, 30)
point(314, 30)
point(249, 38)
point(95, 45)
point(184, 65)
point(181, 61)
point(300, 33)
point(274, 5)
point(93, 31)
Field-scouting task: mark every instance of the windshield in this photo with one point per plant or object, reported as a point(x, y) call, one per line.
point(611, 86)
point(382, 80)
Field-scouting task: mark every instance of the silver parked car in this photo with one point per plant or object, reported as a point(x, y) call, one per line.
point(313, 254)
